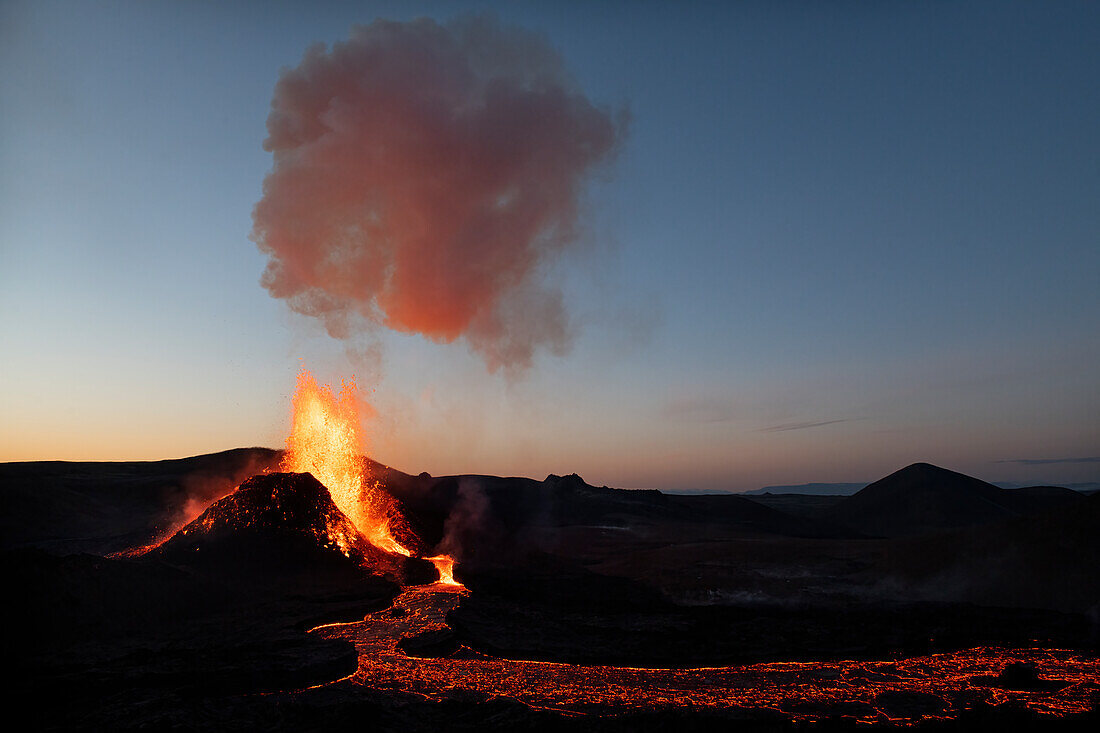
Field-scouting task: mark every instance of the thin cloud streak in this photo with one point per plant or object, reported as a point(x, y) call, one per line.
point(798, 426)
point(1049, 461)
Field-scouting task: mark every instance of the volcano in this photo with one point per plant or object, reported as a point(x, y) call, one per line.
point(284, 524)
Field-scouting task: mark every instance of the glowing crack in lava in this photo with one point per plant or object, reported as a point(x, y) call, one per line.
point(325, 440)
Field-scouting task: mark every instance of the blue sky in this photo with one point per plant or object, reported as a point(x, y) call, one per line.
point(839, 238)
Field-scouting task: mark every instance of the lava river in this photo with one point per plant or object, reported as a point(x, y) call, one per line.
point(905, 690)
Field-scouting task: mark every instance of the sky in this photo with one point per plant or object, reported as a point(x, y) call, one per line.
point(836, 239)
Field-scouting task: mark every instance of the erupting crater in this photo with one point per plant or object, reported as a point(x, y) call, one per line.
point(326, 440)
point(322, 507)
point(285, 522)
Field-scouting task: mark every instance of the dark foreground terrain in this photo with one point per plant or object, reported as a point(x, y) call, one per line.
point(210, 631)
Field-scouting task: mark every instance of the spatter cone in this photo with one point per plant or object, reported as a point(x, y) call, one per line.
point(284, 523)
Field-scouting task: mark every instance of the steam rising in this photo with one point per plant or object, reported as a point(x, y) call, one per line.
point(468, 521)
point(423, 174)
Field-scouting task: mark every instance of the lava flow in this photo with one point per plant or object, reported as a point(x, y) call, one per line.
point(900, 691)
point(326, 440)
point(445, 566)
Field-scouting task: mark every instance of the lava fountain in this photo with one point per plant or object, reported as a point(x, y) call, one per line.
point(445, 566)
point(325, 440)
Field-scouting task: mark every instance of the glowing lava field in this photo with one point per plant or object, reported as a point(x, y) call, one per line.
point(906, 690)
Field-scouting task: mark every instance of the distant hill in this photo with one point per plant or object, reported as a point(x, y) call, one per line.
point(809, 489)
point(1088, 487)
point(923, 498)
point(101, 506)
point(803, 505)
point(490, 514)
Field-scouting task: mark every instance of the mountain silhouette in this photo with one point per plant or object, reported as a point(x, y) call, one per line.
point(923, 498)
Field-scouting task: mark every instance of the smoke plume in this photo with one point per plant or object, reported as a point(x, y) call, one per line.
point(423, 176)
point(467, 522)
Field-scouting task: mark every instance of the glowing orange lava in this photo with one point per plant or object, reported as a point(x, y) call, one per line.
point(326, 440)
point(947, 684)
point(445, 566)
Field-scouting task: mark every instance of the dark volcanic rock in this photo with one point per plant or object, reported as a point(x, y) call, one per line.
point(910, 704)
point(434, 643)
point(96, 631)
point(1046, 560)
point(536, 628)
point(1018, 676)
